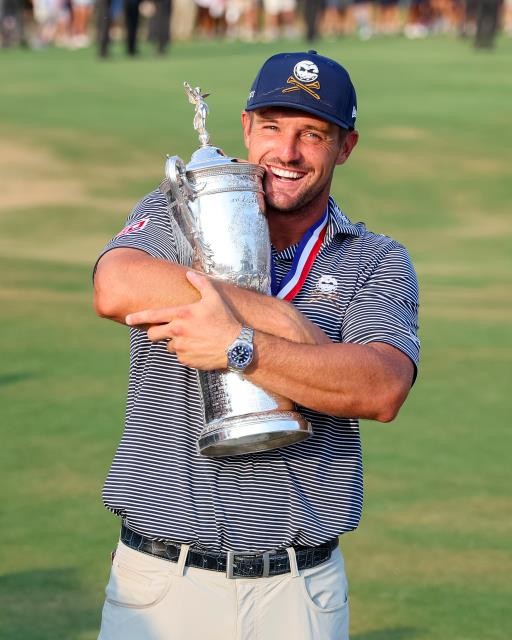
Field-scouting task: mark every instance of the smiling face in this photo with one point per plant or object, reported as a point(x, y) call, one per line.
point(299, 152)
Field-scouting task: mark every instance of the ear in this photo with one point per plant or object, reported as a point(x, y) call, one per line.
point(347, 146)
point(246, 127)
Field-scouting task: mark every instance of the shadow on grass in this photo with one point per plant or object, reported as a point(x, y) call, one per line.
point(12, 378)
point(47, 604)
point(400, 633)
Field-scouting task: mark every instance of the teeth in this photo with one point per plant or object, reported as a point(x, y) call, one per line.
point(283, 173)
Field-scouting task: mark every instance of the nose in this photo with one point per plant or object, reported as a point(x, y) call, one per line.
point(289, 149)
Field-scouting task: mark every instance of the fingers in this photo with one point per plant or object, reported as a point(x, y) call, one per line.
point(151, 316)
point(160, 332)
point(203, 284)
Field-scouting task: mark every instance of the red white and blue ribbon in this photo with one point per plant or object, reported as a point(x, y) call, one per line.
point(309, 246)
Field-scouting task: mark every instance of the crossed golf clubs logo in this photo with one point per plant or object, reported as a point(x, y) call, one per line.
point(305, 86)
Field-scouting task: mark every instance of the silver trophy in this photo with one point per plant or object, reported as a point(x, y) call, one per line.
point(216, 208)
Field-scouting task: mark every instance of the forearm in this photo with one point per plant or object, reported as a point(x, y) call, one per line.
point(128, 280)
point(349, 380)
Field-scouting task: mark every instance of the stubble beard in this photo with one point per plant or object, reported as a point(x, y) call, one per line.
point(295, 207)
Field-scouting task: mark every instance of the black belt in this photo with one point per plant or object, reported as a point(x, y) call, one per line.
point(233, 564)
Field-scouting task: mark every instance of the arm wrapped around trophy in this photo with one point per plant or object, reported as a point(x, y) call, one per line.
point(217, 211)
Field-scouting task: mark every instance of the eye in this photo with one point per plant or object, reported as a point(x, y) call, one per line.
point(270, 127)
point(313, 136)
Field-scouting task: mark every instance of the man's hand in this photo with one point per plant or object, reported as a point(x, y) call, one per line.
point(199, 333)
point(128, 280)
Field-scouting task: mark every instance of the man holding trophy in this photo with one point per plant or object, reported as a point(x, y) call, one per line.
point(262, 328)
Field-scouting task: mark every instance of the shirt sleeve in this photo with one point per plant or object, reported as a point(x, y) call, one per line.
point(385, 307)
point(147, 228)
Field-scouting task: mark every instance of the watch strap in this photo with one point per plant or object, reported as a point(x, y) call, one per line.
point(246, 334)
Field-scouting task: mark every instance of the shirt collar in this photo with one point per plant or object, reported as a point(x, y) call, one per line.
point(340, 224)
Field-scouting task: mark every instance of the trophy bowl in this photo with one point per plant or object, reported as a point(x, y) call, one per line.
point(217, 212)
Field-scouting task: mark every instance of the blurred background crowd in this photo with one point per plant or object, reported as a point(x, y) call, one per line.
point(76, 24)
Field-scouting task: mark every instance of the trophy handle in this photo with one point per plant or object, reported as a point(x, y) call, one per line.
point(181, 189)
point(179, 193)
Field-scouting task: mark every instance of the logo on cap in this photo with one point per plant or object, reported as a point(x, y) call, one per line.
point(305, 71)
point(305, 74)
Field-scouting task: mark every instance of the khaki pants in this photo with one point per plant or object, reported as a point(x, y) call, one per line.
point(148, 598)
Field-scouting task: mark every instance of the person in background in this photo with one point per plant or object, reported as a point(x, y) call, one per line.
point(279, 18)
point(131, 24)
point(242, 20)
point(363, 13)
point(487, 22)
point(335, 18)
point(312, 10)
point(12, 24)
point(417, 19)
point(159, 27)
point(106, 11)
point(387, 17)
point(81, 18)
point(210, 18)
point(103, 25)
point(507, 18)
point(48, 15)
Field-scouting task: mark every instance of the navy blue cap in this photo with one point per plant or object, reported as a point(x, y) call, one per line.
point(308, 82)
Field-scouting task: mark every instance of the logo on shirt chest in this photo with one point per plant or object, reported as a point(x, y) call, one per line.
point(326, 289)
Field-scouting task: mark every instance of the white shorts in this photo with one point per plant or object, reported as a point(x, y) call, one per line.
point(273, 7)
point(148, 598)
point(47, 11)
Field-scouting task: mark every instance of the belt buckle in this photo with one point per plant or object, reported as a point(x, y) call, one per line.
point(230, 561)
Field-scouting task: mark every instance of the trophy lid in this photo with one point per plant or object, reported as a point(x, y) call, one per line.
point(208, 156)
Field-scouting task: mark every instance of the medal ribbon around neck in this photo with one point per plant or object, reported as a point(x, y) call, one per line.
point(303, 260)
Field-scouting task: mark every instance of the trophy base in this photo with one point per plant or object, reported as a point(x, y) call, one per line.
point(251, 433)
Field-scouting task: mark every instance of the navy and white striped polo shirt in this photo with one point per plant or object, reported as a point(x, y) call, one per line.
point(362, 288)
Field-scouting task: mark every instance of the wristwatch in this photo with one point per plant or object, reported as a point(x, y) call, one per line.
point(241, 352)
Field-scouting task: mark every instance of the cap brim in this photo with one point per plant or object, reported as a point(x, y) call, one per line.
point(300, 107)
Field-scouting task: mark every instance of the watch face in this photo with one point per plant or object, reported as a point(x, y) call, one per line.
point(240, 355)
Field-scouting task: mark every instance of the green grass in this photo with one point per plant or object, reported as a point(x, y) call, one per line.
point(82, 140)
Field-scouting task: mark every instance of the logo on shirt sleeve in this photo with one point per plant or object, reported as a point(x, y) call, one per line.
point(133, 228)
